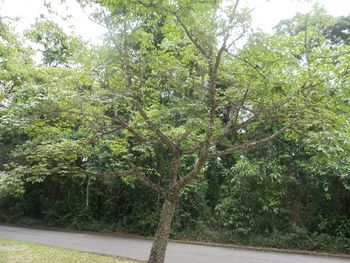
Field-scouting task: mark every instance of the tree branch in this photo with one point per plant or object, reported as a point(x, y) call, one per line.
point(190, 176)
point(163, 137)
point(175, 165)
point(248, 145)
point(190, 36)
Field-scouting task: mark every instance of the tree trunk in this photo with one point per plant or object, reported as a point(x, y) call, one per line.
point(87, 196)
point(161, 238)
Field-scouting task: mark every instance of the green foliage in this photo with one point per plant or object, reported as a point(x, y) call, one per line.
point(57, 47)
point(257, 207)
point(76, 116)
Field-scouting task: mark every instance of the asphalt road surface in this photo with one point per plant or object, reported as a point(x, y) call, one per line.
point(139, 248)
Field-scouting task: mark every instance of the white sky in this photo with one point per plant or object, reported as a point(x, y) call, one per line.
point(266, 15)
point(28, 10)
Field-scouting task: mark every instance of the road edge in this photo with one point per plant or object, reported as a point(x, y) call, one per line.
point(190, 242)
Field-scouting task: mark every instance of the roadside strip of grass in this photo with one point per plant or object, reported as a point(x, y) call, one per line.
point(25, 252)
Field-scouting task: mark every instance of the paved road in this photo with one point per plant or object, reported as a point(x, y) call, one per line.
point(139, 248)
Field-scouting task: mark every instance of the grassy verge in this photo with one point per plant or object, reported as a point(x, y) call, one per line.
point(24, 252)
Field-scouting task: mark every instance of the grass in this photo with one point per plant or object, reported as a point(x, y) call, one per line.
point(24, 252)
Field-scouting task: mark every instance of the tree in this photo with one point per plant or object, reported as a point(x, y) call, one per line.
point(175, 84)
point(15, 74)
point(58, 48)
point(15, 62)
point(242, 89)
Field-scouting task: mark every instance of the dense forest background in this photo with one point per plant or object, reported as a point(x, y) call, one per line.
point(292, 192)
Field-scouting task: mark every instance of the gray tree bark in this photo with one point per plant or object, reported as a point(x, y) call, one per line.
point(161, 238)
